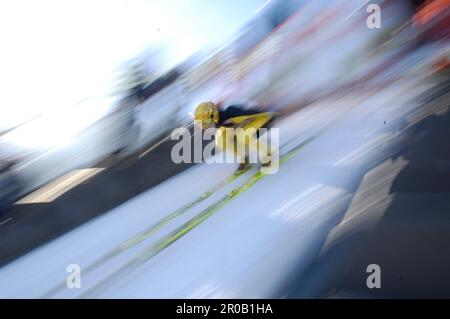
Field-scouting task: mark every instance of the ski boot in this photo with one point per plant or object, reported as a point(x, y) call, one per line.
point(243, 167)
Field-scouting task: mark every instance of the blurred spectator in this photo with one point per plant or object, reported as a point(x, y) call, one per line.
point(432, 21)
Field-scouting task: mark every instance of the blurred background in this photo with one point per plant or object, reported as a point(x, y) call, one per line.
point(92, 91)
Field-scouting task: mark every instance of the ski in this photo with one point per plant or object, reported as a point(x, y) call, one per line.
point(182, 230)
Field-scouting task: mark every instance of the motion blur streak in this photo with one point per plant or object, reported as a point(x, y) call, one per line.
point(59, 186)
point(87, 178)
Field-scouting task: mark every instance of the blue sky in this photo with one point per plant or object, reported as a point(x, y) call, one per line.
point(55, 53)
